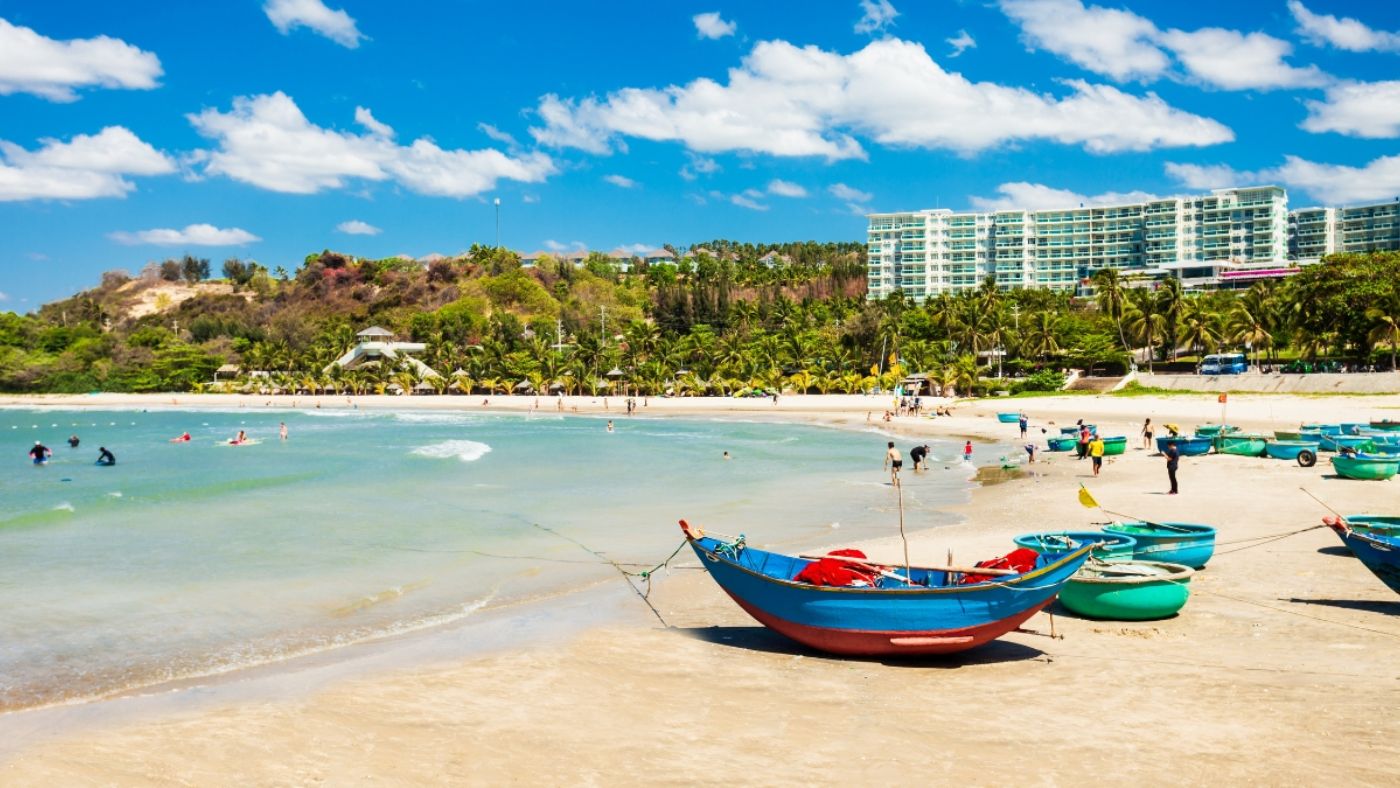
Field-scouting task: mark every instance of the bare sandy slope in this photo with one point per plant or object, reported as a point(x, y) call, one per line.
point(1283, 669)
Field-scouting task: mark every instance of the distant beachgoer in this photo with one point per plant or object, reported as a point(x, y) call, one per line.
point(1147, 434)
point(105, 457)
point(967, 452)
point(242, 438)
point(919, 454)
point(73, 441)
point(1082, 446)
point(1173, 455)
point(610, 425)
point(887, 415)
point(282, 430)
point(893, 461)
point(1024, 424)
point(484, 403)
point(1030, 451)
point(1096, 453)
point(726, 456)
point(40, 453)
point(775, 398)
point(184, 438)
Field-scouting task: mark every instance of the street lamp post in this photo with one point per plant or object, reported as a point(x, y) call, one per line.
point(498, 222)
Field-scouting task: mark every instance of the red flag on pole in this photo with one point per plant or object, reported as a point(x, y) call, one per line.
point(1222, 399)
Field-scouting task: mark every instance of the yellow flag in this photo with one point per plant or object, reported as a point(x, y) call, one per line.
point(1086, 499)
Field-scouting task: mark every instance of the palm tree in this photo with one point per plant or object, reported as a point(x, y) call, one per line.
point(1198, 327)
point(1245, 325)
point(1170, 299)
point(1110, 296)
point(1386, 328)
point(1040, 334)
point(1145, 321)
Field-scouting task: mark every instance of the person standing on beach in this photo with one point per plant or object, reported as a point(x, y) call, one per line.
point(967, 452)
point(1024, 423)
point(1096, 453)
point(1173, 457)
point(893, 461)
point(1147, 434)
point(1083, 445)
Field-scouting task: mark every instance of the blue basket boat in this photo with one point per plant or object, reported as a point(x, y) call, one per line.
point(1174, 543)
point(1289, 450)
point(1379, 552)
point(1062, 443)
point(1353, 428)
point(1188, 447)
point(936, 614)
point(1111, 547)
point(1008, 418)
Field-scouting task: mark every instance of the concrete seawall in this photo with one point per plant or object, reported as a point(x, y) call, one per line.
point(1320, 383)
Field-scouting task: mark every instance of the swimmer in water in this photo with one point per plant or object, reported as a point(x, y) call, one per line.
point(105, 457)
point(610, 427)
point(184, 438)
point(40, 453)
point(282, 428)
point(726, 456)
point(73, 441)
point(242, 438)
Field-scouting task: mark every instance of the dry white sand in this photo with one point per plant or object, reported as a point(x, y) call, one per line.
point(1284, 668)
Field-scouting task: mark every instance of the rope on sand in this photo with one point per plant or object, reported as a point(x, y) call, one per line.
point(644, 575)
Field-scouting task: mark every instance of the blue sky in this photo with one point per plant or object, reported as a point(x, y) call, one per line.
point(267, 129)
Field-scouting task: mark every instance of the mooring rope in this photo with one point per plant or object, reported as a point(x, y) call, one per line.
point(645, 574)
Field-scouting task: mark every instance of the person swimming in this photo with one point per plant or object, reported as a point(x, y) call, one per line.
point(105, 457)
point(610, 425)
point(40, 453)
point(73, 441)
point(242, 438)
point(184, 438)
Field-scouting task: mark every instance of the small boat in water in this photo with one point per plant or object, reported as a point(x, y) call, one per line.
point(1380, 553)
point(1132, 591)
point(1188, 447)
point(930, 611)
point(1303, 452)
point(1242, 444)
point(1366, 468)
point(1008, 418)
point(1107, 547)
point(1176, 543)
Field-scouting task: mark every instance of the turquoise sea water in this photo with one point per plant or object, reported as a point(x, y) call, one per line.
point(195, 559)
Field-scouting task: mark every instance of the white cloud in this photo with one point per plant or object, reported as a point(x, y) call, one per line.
point(784, 188)
point(85, 167)
point(530, 199)
point(4, 297)
point(1344, 33)
point(789, 101)
point(1123, 45)
point(357, 227)
point(876, 16)
point(620, 181)
point(505, 138)
point(267, 141)
point(1358, 109)
point(1035, 196)
point(555, 246)
point(336, 25)
point(365, 118)
point(192, 235)
point(1331, 184)
point(1232, 60)
point(747, 200)
point(1106, 41)
point(843, 192)
point(52, 69)
point(712, 25)
point(699, 165)
point(961, 43)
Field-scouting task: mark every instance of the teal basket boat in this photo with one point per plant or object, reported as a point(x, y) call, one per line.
point(1285, 435)
point(1176, 543)
point(1376, 469)
point(1008, 418)
point(1115, 445)
point(1302, 452)
point(1115, 547)
point(1188, 447)
point(1133, 591)
point(1242, 444)
point(1062, 444)
point(1211, 430)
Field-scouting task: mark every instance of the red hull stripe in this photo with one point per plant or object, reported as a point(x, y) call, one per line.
point(868, 643)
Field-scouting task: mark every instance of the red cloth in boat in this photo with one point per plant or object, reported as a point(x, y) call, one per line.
point(835, 572)
point(1021, 560)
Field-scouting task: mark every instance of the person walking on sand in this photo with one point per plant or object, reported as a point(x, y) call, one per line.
point(1096, 453)
point(967, 452)
point(282, 430)
point(1173, 455)
point(1147, 434)
point(893, 462)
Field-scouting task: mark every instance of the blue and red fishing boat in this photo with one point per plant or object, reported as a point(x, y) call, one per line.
point(1378, 549)
point(869, 610)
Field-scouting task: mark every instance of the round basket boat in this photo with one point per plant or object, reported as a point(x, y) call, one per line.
point(1211, 430)
point(1177, 543)
point(1133, 591)
point(1008, 418)
point(1115, 445)
point(1366, 468)
point(1061, 444)
point(1188, 447)
point(1241, 443)
point(1116, 547)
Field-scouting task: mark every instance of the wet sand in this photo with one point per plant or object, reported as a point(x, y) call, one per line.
point(1284, 668)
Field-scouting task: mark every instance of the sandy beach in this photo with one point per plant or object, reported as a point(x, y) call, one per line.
point(1284, 668)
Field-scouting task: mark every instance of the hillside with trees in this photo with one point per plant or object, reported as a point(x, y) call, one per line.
point(726, 318)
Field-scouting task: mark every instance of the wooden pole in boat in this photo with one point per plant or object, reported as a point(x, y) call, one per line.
point(899, 490)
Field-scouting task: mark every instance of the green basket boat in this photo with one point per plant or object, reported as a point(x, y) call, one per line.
point(1284, 435)
point(1366, 468)
point(1211, 430)
point(1115, 445)
point(1239, 443)
point(1132, 591)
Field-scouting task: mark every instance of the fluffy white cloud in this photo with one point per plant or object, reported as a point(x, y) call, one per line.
point(1332, 184)
point(961, 43)
point(267, 141)
point(1123, 45)
point(1038, 197)
point(357, 227)
point(336, 25)
point(192, 235)
point(85, 167)
point(1345, 33)
point(1358, 109)
point(52, 69)
point(365, 118)
point(503, 137)
point(712, 25)
point(1232, 60)
point(786, 100)
point(699, 165)
point(620, 181)
point(555, 246)
point(749, 199)
point(1112, 42)
point(876, 15)
point(843, 192)
point(784, 188)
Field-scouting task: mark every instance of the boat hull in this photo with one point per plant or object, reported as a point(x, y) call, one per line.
point(1189, 447)
point(1366, 468)
point(1129, 598)
point(1379, 554)
point(1288, 450)
point(1174, 543)
point(1114, 446)
point(869, 622)
point(1061, 444)
point(1284, 435)
point(1115, 547)
point(1244, 445)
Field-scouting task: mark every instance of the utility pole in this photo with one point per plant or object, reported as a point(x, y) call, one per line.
point(498, 222)
point(559, 335)
point(604, 329)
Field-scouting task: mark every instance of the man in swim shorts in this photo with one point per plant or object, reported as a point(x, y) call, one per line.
point(893, 461)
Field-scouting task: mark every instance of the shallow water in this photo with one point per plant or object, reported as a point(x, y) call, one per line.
point(195, 559)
